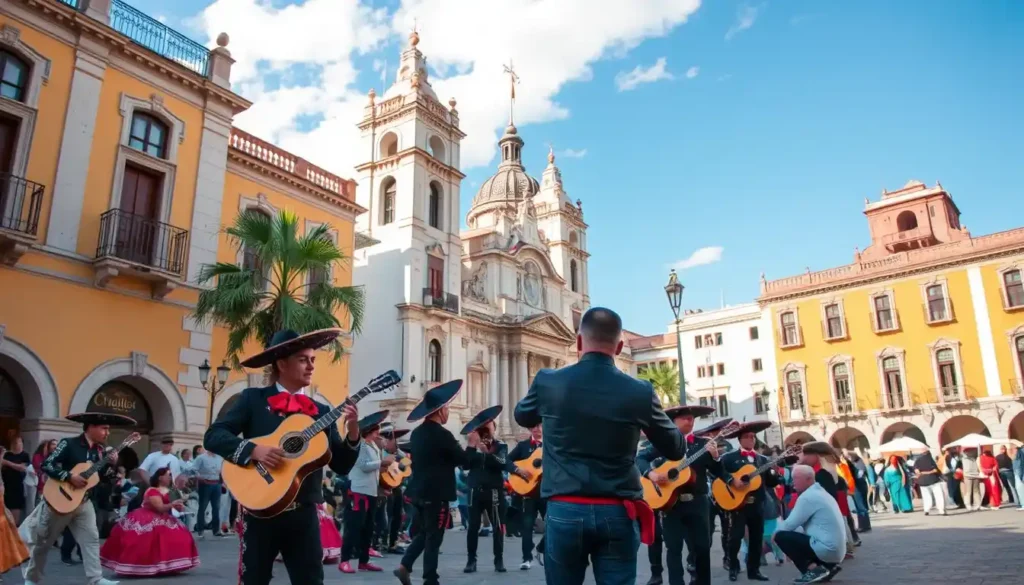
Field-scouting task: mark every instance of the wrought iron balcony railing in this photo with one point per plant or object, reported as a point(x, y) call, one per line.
point(158, 37)
point(20, 203)
point(143, 241)
point(439, 299)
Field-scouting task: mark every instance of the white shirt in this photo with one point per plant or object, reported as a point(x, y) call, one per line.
point(817, 514)
point(158, 460)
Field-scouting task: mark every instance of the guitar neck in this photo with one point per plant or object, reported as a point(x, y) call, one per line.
point(768, 466)
point(98, 464)
point(332, 417)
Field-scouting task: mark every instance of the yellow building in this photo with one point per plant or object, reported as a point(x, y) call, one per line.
point(922, 335)
point(119, 167)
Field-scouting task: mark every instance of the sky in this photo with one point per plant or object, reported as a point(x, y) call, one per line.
point(723, 138)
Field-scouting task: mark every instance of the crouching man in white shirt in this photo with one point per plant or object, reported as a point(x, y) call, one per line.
point(820, 545)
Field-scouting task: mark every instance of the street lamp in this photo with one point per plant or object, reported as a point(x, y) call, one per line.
point(215, 387)
point(674, 292)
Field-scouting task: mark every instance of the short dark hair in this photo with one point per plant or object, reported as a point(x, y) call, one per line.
point(154, 481)
point(601, 325)
point(195, 450)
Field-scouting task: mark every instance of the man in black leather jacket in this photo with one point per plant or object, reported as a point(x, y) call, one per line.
point(593, 415)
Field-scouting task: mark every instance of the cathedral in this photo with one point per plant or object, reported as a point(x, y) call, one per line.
point(492, 304)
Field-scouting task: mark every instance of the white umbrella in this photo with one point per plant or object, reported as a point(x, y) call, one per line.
point(974, 440)
point(902, 445)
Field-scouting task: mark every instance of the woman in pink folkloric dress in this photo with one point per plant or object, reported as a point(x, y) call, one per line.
point(330, 538)
point(150, 541)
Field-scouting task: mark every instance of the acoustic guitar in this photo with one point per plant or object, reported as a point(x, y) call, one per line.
point(65, 498)
point(395, 474)
point(528, 487)
point(265, 492)
point(663, 496)
point(731, 498)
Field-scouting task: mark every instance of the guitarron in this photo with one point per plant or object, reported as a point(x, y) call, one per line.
point(528, 487)
point(265, 492)
point(65, 498)
point(730, 498)
point(662, 496)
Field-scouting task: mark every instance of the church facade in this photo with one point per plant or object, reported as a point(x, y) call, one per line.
point(492, 304)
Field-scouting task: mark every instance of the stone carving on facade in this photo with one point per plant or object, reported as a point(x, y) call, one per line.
point(436, 332)
point(465, 342)
point(519, 286)
point(139, 361)
point(476, 287)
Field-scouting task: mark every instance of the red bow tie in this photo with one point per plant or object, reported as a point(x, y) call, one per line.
point(748, 453)
point(689, 439)
point(287, 403)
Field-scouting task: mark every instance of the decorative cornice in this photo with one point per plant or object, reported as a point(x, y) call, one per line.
point(449, 173)
point(290, 180)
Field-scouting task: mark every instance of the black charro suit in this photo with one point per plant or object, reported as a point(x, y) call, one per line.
point(532, 507)
point(294, 533)
point(748, 518)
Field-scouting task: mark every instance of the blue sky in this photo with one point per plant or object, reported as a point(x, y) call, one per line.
point(766, 150)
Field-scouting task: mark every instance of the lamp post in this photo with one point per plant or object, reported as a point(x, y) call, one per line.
point(674, 292)
point(213, 387)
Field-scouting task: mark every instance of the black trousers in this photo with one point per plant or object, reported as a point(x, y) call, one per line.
point(381, 524)
point(429, 524)
point(295, 535)
point(359, 520)
point(491, 501)
point(655, 551)
point(531, 508)
point(797, 546)
point(749, 519)
point(396, 505)
point(687, 522)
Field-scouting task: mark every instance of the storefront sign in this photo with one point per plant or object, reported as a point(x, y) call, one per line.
point(120, 398)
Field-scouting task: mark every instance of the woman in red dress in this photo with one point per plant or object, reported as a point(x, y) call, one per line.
point(150, 541)
point(990, 469)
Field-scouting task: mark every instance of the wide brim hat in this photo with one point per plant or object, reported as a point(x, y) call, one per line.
point(755, 426)
point(483, 417)
point(372, 421)
point(713, 427)
point(818, 448)
point(287, 342)
point(435, 399)
point(102, 418)
point(389, 431)
point(696, 411)
point(406, 447)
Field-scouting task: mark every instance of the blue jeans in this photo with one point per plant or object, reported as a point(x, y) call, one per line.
point(209, 493)
point(1019, 487)
point(860, 502)
point(575, 534)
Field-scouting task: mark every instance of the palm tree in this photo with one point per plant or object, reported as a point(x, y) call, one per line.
point(665, 380)
point(282, 284)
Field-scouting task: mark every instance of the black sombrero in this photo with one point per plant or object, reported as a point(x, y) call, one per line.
point(388, 430)
point(371, 422)
point(713, 427)
point(818, 448)
point(287, 342)
point(102, 418)
point(755, 426)
point(483, 417)
point(696, 411)
point(435, 399)
point(405, 447)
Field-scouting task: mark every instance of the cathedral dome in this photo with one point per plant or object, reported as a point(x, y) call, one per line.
point(510, 183)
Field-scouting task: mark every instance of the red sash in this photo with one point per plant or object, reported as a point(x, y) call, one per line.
point(637, 510)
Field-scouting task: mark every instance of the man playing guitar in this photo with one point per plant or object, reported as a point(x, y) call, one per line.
point(532, 506)
point(486, 488)
point(749, 517)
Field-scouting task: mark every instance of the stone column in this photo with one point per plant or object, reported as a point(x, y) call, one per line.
point(502, 387)
point(523, 379)
point(492, 377)
point(219, 65)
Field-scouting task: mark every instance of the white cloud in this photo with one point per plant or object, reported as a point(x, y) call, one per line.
point(745, 18)
point(692, 72)
point(640, 75)
point(552, 42)
point(702, 256)
point(573, 153)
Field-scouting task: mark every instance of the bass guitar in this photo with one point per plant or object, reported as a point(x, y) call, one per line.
point(65, 498)
point(395, 474)
point(528, 487)
point(661, 496)
point(265, 492)
point(729, 497)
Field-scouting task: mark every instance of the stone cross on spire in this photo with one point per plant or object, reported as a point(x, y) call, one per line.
point(513, 80)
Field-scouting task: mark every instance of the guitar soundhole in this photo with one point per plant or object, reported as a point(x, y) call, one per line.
point(673, 474)
point(401, 467)
point(293, 444)
point(536, 463)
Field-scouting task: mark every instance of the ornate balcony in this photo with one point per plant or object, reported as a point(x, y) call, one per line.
point(140, 246)
point(952, 394)
point(918, 237)
point(163, 40)
point(438, 299)
point(20, 203)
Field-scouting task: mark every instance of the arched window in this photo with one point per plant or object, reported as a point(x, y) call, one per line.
point(946, 362)
point(437, 148)
point(841, 384)
point(388, 202)
point(148, 135)
point(434, 361)
point(434, 206)
point(906, 221)
point(574, 239)
point(893, 378)
point(13, 76)
point(795, 389)
point(573, 276)
point(251, 258)
point(389, 144)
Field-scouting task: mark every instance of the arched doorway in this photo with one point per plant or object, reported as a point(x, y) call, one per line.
point(12, 409)
point(903, 429)
point(960, 426)
point(799, 438)
point(850, 438)
point(1016, 429)
point(121, 397)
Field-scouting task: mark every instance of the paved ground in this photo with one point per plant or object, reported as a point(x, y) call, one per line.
point(911, 549)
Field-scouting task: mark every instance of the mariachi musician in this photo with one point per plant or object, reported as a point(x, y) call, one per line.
point(748, 518)
point(396, 501)
point(486, 488)
point(645, 455)
point(437, 453)
point(687, 520)
point(364, 484)
point(294, 533)
point(532, 505)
